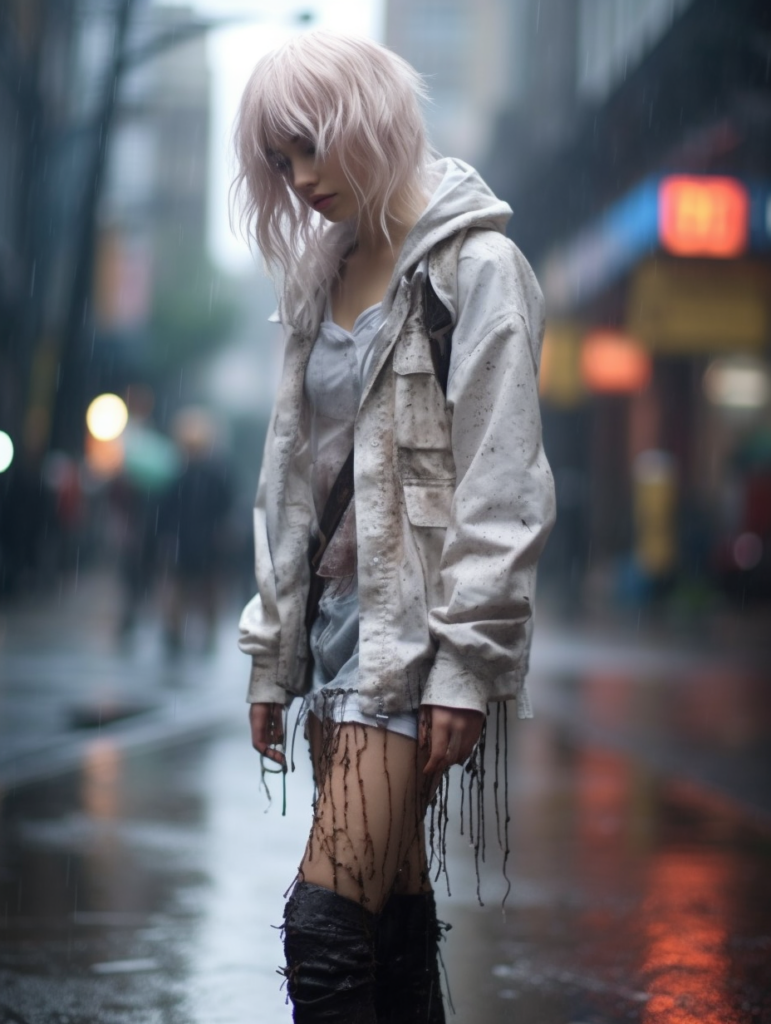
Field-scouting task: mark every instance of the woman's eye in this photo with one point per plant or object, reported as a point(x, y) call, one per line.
point(306, 146)
point(279, 162)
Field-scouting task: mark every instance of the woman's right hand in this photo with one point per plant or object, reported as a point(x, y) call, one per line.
point(267, 725)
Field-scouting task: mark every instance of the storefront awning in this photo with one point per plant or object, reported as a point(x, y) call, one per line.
point(689, 216)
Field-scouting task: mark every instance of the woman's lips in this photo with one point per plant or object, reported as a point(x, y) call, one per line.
point(320, 203)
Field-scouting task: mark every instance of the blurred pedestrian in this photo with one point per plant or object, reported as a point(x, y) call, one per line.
point(413, 333)
point(25, 510)
point(150, 464)
point(191, 525)
point(135, 510)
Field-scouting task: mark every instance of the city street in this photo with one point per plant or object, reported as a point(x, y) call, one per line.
point(494, 234)
point(142, 866)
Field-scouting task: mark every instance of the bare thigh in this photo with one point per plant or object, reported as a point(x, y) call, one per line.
point(367, 838)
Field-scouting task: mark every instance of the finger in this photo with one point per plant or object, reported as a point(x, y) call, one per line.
point(463, 743)
point(452, 755)
point(465, 751)
point(258, 725)
point(266, 722)
point(469, 732)
point(439, 740)
point(272, 754)
point(268, 748)
point(275, 737)
point(276, 725)
point(423, 728)
point(266, 726)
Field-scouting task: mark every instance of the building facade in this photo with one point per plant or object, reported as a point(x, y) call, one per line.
point(463, 50)
point(104, 124)
point(633, 142)
point(644, 207)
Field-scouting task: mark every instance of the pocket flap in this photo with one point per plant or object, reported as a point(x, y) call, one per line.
point(413, 357)
point(428, 504)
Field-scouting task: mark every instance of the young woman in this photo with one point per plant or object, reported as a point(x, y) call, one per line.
point(403, 502)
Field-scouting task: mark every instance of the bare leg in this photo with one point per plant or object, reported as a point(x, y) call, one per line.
point(360, 924)
point(367, 839)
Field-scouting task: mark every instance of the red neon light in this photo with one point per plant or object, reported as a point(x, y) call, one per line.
point(705, 216)
point(614, 363)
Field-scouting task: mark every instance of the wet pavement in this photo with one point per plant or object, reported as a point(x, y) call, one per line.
point(67, 676)
point(142, 868)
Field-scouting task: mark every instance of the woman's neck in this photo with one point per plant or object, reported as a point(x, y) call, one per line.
point(372, 240)
point(369, 264)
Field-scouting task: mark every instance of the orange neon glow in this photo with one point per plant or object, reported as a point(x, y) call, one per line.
point(707, 216)
point(614, 363)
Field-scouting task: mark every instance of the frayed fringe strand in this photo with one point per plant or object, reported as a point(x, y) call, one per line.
point(347, 816)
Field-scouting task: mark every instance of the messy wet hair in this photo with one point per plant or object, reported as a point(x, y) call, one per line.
point(340, 93)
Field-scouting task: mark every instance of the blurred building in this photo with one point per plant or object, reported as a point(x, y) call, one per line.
point(633, 142)
point(463, 48)
point(40, 165)
point(151, 264)
point(35, 61)
point(104, 125)
point(648, 223)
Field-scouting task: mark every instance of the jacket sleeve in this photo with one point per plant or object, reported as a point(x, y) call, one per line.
point(503, 507)
point(259, 629)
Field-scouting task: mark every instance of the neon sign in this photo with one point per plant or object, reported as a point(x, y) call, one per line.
point(703, 216)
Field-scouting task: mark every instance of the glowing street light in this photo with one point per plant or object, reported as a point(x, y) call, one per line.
point(107, 417)
point(6, 451)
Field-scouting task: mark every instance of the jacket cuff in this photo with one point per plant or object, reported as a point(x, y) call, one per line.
point(261, 691)
point(453, 686)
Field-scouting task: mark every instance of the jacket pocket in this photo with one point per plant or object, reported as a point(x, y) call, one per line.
point(428, 504)
point(421, 419)
point(434, 466)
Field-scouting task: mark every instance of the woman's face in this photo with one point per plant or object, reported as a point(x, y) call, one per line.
point(319, 183)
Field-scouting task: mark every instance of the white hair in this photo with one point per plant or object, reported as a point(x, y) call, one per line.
point(340, 93)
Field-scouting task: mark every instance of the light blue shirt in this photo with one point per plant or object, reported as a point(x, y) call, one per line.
point(334, 381)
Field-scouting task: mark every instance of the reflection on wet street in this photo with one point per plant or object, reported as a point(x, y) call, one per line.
point(634, 898)
point(147, 885)
point(143, 889)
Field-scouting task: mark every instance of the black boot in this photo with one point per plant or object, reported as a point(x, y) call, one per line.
point(407, 987)
point(329, 948)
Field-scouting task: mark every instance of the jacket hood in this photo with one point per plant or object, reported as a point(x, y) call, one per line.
point(460, 200)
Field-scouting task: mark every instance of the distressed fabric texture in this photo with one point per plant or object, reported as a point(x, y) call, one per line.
point(454, 498)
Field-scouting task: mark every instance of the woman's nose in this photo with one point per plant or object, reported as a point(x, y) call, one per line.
point(304, 173)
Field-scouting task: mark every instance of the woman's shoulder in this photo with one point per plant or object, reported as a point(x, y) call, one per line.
point(490, 262)
point(485, 245)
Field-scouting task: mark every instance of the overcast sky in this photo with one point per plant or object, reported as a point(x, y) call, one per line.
point(233, 53)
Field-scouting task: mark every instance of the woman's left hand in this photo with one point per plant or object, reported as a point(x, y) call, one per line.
point(449, 735)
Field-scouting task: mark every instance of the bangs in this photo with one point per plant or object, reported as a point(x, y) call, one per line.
point(281, 123)
point(315, 87)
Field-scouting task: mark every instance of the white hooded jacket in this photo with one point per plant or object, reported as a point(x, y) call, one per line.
point(454, 498)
